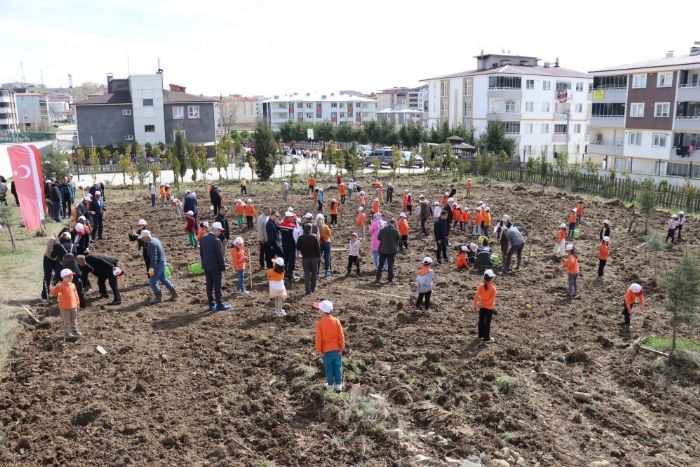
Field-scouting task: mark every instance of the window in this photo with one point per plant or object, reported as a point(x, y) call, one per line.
point(300, 105)
point(544, 128)
point(560, 129)
point(661, 109)
point(529, 106)
point(579, 108)
point(504, 82)
point(634, 138)
point(334, 105)
point(639, 81)
point(178, 112)
point(546, 85)
point(512, 127)
point(563, 85)
point(467, 86)
point(579, 87)
point(527, 128)
point(527, 149)
point(510, 106)
point(610, 82)
point(342, 114)
point(309, 115)
point(637, 109)
point(126, 112)
point(545, 107)
point(149, 128)
point(148, 102)
point(530, 84)
point(664, 80)
point(309, 105)
point(192, 111)
point(129, 138)
point(607, 110)
point(658, 140)
point(577, 128)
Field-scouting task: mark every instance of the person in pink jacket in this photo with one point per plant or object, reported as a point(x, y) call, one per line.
point(374, 228)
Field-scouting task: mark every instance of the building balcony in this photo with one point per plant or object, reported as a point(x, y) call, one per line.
point(608, 121)
point(504, 116)
point(5, 98)
point(560, 138)
point(691, 122)
point(504, 93)
point(613, 148)
point(609, 95)
point(688, 92)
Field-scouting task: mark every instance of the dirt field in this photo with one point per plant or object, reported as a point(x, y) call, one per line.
point(182, 386)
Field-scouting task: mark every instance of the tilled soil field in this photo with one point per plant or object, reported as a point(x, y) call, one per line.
point(182, 386)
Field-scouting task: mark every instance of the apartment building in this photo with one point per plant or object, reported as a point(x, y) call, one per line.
point(8, 110)
point(544, 107)
point(645, 117)
point(335, 108)
point(137, 108)
point(239, 112)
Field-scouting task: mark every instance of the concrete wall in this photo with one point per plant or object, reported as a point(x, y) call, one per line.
point(197, 130)
point(147, 87)
point(648, 96)
point(28, 110)
point(105, 123)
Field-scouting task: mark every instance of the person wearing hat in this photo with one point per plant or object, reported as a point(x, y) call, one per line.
point(603, 255)
point(579, 212)
point(634, 292)
point(486, 297)
point(191, 229)
point(424, 212)
point(560, 242)
point(389, 239)
point(153, 193)
point(68, 302)
point(275, 280)
point(70, 262)
point(83, 209)
point(211, 254)
point(402, 225)
point(571, 265)
point(81, 239)
point(681, 223)
point(362, 200)
point(516, 242)
point(289, 251)
point(672, 225)
point(156, 272)
point(338, 179)
point(249, 211)
point(571, 221)
point(202, 231)
point(354, 253)
point(103, 267)
point(342, 192)
point(377, 224)
point(134, 237)
point(605, 229)
point(97, 208)
point(361, 222)
point(462, 260)
point(437, 210)
point(333, 210)
point(351, 188)
point(330, 342)
point(424, 278)
point(441, 230)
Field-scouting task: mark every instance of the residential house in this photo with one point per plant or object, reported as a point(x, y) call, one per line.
point(335, 108)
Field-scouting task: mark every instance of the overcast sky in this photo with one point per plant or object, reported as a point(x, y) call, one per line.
point(280, 46)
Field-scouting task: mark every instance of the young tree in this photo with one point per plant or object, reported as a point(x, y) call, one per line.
point(6, 221)
point(221, 161)
point(124, 165)
point(263, 150)
point(354, 162)
point(396, 160)
point(682, 283)
point(180, 153)
point(192, 160)
point(94, 161)
point(56, 162)
point(654, 244)
point(174, 165)
point(647, 200)
point(80, 157)
point(412, 159)
point(329, 155)
point(376, 163)
point(155, 173)
point(202, 161)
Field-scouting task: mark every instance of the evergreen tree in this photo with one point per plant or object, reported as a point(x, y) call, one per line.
point(682, 283)
point(263, 151)
point(180, 153)
point(647, 200)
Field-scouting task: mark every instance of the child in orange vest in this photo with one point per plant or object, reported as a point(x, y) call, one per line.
point(462, 261)
point(579, 212)
point(445, 199)
point(240, 211)
point(334, 212)
point(362, 200)
point(278, 292)
point(330, 342)
point(342, 191)
point(603, 255)
point(361, 220)
point(68, 302)
point(402, 225)
point(486, 297)
point(203, 228)
point(375, 206)
point(561, 241)
point(466, 217)
point(312, 185)
point(478, 219)
point(633, 293)
point(249, 211)
point(571, 265)
point(456, 215)
point(239, 261)
point(571, 220)
point(486, 222)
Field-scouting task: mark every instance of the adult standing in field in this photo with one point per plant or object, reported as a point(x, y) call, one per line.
point(97, 207)
point(54, 196)
point(441, 230)
point(261, 223)
point(389, 240)
point(310, 248)
point(143, 246)
point(244, 186)
point(325, 239)
point(374, 228)
point(486, 297)
point(289, 253)
point(156, 272)
point(425, 212)
point(83, 210)
point(215, 198)
point(272, 233)
point(49, 264)
point(517, 243)
point(211, 253)
point(221, 218)
point(190, 204)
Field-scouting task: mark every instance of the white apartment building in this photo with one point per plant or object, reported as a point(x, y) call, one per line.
point(8, 110)
point(335, 108)
point(544, 108)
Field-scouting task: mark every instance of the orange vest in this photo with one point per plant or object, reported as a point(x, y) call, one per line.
point(238, 256)
point(461, 261)
point(361, 219)
point(402, 224)
point(375, 207)
point(343, 190)
point(561, 235)
point(240, 209)
point(334, 208)
point(249, 210)
point(67, 295)
point(603, 251)
point(571, 264)
point(487, 297)
point(329, 335)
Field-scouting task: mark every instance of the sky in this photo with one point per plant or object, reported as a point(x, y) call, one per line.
point(271, 47)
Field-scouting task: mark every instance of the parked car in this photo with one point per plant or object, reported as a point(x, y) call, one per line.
point(384, 155)
point(417, 159)
point(364, 150)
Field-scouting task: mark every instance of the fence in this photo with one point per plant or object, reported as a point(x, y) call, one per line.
point(24, 137)
point(669, 197)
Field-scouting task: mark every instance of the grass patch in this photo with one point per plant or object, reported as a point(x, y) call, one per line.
point(505, 384)
point(352, 370)
point(664, 344)
point(370, 414)
point(306, 371)
point(339, 398)
point(439, 368)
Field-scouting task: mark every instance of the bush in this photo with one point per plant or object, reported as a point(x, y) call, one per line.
point(505, 384)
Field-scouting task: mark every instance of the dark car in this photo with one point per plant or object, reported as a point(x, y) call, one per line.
point(386, 158)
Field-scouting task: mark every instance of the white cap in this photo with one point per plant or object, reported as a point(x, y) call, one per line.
point(205, 224)
point(489, 273)
point(473, 247)
point(82, 218)
point(288, 209)
point(360, 209)
point(447, 193)
point(574, 209)
point(674, 216)
point(606, 222)
point(427, 260)
point(142, 222)
point(334, 200)
point(308, 215)
point(562, 226)
point(403, 214)
point(144, 233)
point(98, 193)
point(363, 192)
point(325, 306)
point(320, 189)
point(87, 198)
point(320, 217)
point(279, 261)
point(437, 204)
point(79, 227)
point(569, 247)
point(189, 213)
point(635, 288)
point(211, 208)
point(488, 209)
point(450, 200)
point(289, 214)
point(464, 248)
point(606, 239)
point(68, 272)
point(238, 241)
point(421, 196)
point(681, 213)
point(65, 235)
point(217, 226)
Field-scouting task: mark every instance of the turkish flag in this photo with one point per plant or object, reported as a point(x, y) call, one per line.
point(29, 182)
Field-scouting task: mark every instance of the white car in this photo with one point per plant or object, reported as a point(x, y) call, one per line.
point(417, 160)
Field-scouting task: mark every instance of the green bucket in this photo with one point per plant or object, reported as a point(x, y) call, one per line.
point(195, 268)
point(168, 272)
point(577, 233)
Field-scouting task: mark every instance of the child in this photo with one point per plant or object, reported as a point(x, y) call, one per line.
point(342, 191)
point(633, 293)
point(278, 292)
point(362, 200)
point(330, 342)
point(469, 188)
point(240, 211)
point(571, 220)
point(361, 220)
point(561, 241)
point(203, 228)
point(177, 206)
point(404, 200)
point(579, 212)
point(239, 258)
point(320, 197)
point(390, 193)
point(334, 212)
point(163, 197)
point(249, 211)
point(409, 204)
point(375, 206)
point(466, 217)
point(190, 228)
point(445, 199)
point(152, 191)
point(486, 296)
point(354, 253)
point(68, 302)
point(478, 219)
point(380, 192)
point(603, 255)
point(402, 225)
point(456, 216)
point(681, 222)
point(571, 265)
point(424, 277)
point(672, 225)
point(462, 261)
point(486, 222)
point(471, 254)
point(605, 229)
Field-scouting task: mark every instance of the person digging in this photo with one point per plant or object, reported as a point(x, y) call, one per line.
point(156, 272)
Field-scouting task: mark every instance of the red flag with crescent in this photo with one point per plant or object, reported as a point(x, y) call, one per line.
point(29, 183)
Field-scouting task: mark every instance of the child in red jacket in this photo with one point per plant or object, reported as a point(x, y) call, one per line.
point(190, 228)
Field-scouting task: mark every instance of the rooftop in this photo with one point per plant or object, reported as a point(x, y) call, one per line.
point(666, 62)
point(328, 97)
point(553, 71)
point(124, 97)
